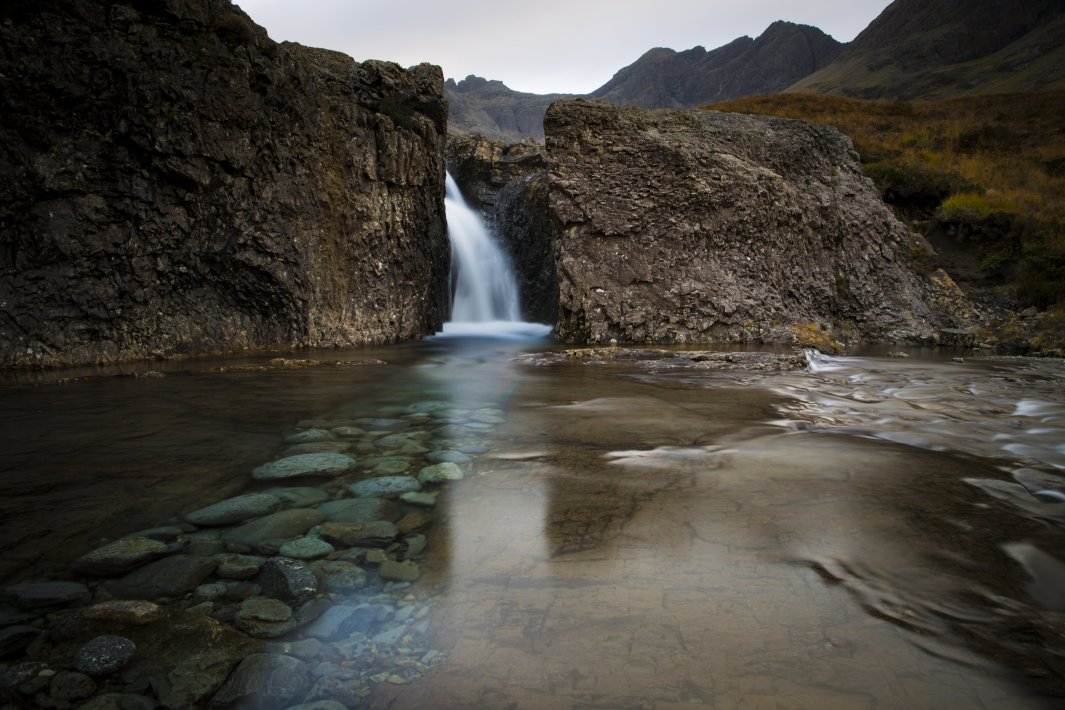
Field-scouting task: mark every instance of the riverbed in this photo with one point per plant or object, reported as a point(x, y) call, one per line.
point(868, 531)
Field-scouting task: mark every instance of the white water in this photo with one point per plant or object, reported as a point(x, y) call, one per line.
point(485, 289)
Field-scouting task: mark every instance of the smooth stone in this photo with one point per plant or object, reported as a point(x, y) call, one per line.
point(392, 441)
point(307, 649)
point(338, 577)
point(321, 705)
point(385, 486)
point(264, 680)
point(209, 592)
point(267, 533)
point(233, 566)
point(299, 496)
point(360, 510)
point(235, 510)
point(448, 456)
point(32, 595)
point(310, 436)
point(412, 522)
point(340, 622)
point(285, 578)
point(405, 571)
point(306, 548)
point(104, 655)
point(169, 577)
point(264, 618)
point(389, 637)
point(317, 447)
point(321, 464)
point(349, 431)
point(383, 424)
point(120, 556)
point(374, 534)
point(425, 500)
point(69, 686)
point(474, 449)
point(415, 544)
point(390, 468)
point(164, 533)
point(119, 701)
point(440, 472)
point(16, 638)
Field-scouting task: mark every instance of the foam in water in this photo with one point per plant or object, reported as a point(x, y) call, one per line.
point(481, 274)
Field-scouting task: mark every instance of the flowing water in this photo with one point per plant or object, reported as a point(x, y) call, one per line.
point(871, 533)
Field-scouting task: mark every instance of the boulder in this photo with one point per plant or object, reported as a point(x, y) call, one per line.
point(328, 463)
point(264, 680)
point(120, 556)
point(266, 534)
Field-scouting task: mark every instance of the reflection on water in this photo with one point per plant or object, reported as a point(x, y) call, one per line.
point(873, 533)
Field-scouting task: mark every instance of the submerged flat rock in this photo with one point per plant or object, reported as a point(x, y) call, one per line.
point(235, 510)
point(650, 358)
point(120, 556)
point(266, 534)
point(326, 463)
point(385, 486)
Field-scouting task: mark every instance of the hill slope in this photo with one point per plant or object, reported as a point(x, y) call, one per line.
point(663, 78)
point(478, 106)
point(936, 49)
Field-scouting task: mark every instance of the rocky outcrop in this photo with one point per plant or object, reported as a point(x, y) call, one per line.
point(699, 226)
point(173, 181)
point(482, 166)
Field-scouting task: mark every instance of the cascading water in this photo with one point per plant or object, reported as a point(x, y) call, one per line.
point(483, 281)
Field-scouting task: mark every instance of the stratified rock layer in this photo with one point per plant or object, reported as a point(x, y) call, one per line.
point(698, 226)
point(173, 181)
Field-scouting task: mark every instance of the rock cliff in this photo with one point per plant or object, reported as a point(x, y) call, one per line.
point(698, 226)
point(173, 181)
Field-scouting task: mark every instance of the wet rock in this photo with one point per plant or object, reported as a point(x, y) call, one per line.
point(413, 522)
point(166, 578)
point(414, 544)
point(263, 680)
point(239, 566)
point(120, 556)
point(318, 447)
point(119, 701)
point(306, 649)
point(209, 592)
point(235, 510)
point(164, 533)
point(321, 464)
point(266, 534)
point(67, 685)
point(440, 472)
point(385, 424)
point(33, 595)
point(306, 548)
point(104, 655)
point(351, 432)
point(360, 510)
point(389, 637)
point(325, 704)
point(338, 577)
point(385, 486)
point(264, 618)
point(285, 578)
point(448, 456)
point(340, 622)
point(15, 638)
point(405, 571)
point(299, 496)
point(425, 500)
point(185, 657)
point(309, 436)
point(376, 533)
point(390, 468)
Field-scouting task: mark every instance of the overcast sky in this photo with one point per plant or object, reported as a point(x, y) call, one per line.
point(541, 46)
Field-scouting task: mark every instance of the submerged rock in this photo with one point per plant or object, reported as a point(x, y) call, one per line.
point(285, 578)
point(385, 486)
point(266, 534)
point(33, 595)
point(104, 655)
point(263, 680)
point(360, 510)
point(440, 472)
point(376, 533)
point(166, 578)
point(235, 510)
point(120, 556)
point(327, 463)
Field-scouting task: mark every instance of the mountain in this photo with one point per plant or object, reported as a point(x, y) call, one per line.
point(936, 49)
point(493, 110)
point(663, 78)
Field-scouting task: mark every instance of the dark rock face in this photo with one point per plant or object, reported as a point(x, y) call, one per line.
point(172, 181)
point(698, 226)
point(663, 78)
point(508, 183)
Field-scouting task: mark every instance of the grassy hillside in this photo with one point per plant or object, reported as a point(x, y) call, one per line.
point(982, 177)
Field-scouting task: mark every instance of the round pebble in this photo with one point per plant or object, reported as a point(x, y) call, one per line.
point(104, 655)
point(306, 548)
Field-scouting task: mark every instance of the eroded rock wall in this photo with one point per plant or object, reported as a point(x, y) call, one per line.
point(698, 226)
point(172, 181)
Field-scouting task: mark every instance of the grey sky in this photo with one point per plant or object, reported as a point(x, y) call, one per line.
point(544, 46)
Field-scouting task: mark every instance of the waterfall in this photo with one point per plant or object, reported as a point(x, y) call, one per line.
point(482, 278)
